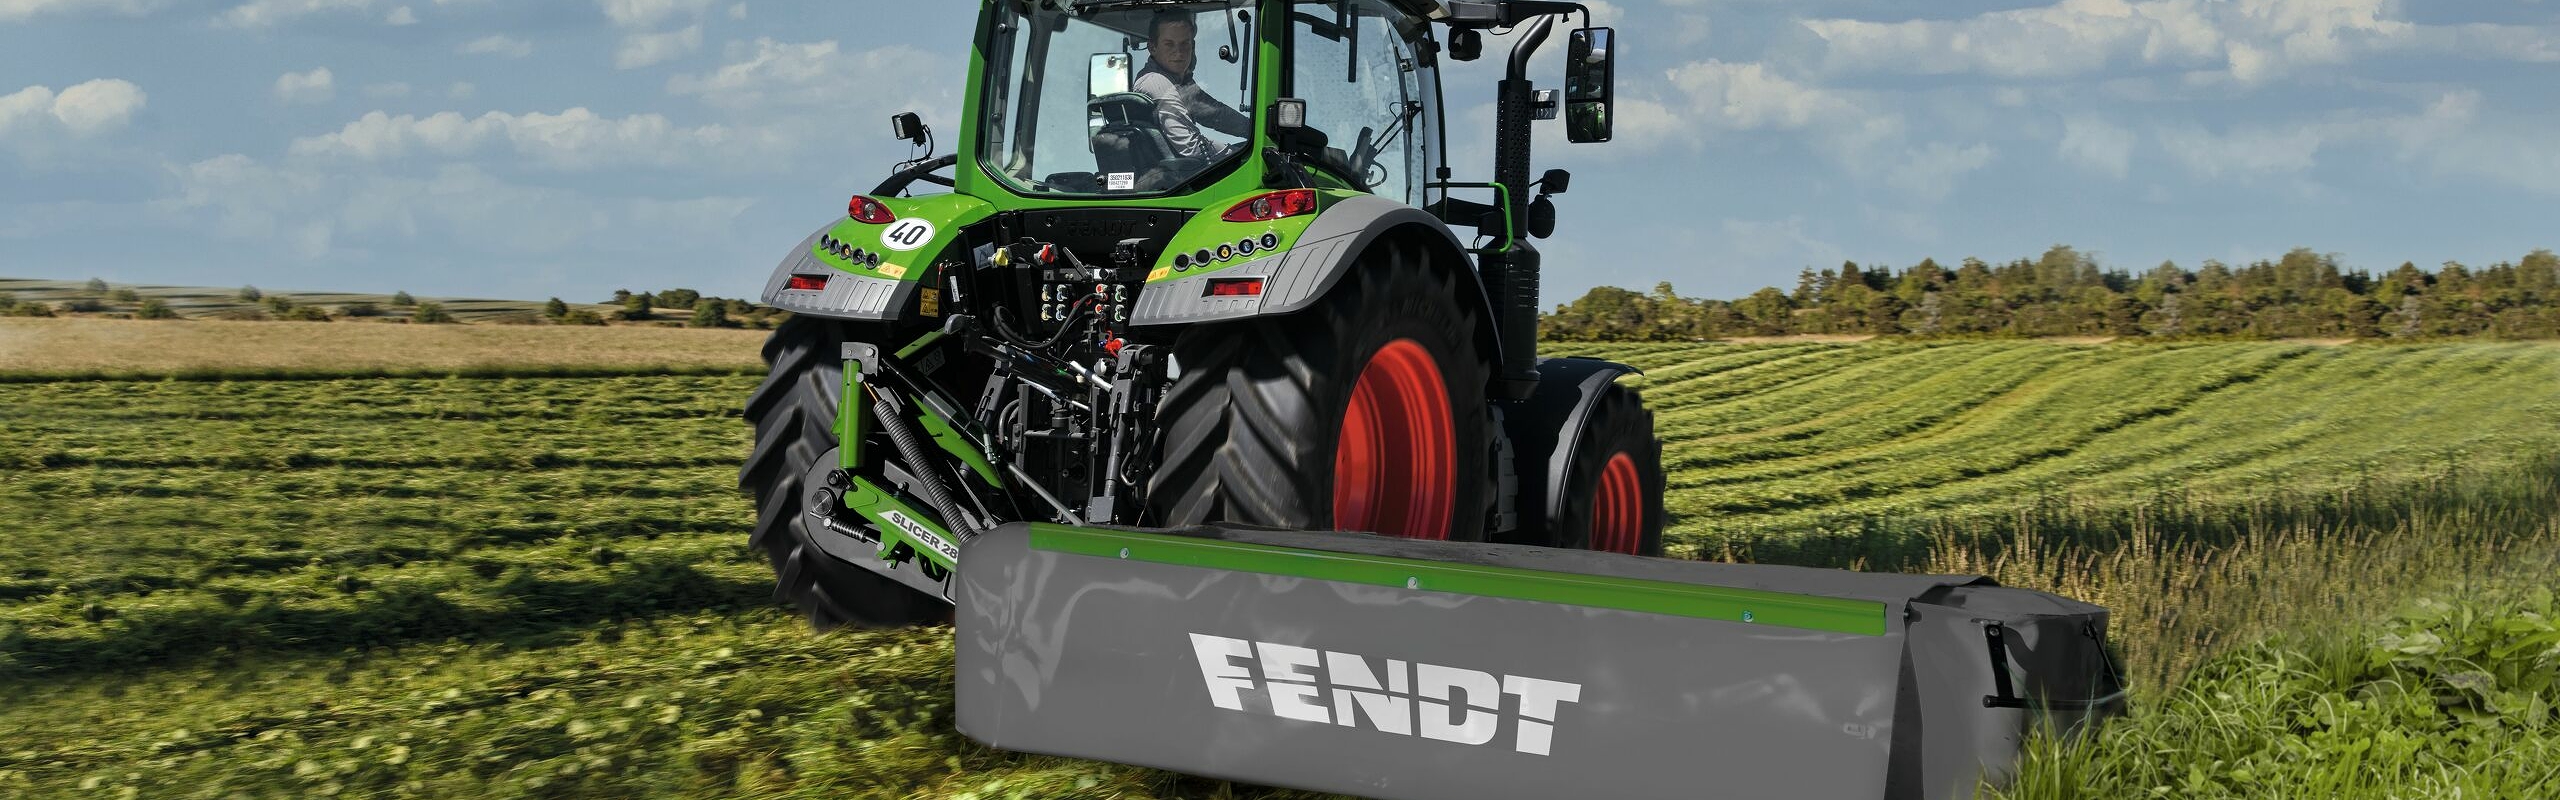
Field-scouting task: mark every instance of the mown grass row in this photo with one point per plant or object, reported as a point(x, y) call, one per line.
point(1883, 431)
point(331, 603)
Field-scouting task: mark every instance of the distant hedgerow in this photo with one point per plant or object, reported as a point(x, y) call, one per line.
point(431, 313)
point(154, 308)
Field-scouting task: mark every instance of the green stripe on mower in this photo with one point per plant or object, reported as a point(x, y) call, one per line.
point(1860, 617)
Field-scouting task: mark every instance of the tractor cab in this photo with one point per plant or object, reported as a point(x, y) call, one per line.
point(1149, 99)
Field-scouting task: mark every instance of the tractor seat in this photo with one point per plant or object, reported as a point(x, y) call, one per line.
point(1130, 139)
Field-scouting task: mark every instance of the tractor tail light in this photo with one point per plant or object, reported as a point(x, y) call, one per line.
point(865, 209)
point(1235, 287)
point(808, 283)
point(1275, 205)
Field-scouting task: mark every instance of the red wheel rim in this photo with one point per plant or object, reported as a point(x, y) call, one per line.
point(1617, 509)
point(1395, 466)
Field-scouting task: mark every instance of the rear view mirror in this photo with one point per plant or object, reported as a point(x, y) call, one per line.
point(1588, 84)
point(1110, 75)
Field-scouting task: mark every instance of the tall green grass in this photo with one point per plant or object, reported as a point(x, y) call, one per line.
point(536, 585)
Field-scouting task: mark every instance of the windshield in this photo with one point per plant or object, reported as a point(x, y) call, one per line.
point(1117, 98)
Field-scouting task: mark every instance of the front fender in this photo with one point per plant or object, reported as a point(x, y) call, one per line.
point(858, 289)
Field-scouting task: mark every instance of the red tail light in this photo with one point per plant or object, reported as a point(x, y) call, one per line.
point(1273, 206)
point(864, 209)
point(1235, 287)
point(808, 283)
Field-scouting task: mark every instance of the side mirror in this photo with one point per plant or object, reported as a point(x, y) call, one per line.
point(1465, 44)
point(1109, 75)
point(906, 125)
point(1588, 84)
point(1555, 182)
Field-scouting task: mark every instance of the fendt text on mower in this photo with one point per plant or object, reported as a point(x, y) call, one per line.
point(1202, 294)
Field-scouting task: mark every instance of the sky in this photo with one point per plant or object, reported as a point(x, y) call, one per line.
point(569, 147)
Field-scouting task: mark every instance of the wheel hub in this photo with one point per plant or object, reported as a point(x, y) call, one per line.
point(1395, 463)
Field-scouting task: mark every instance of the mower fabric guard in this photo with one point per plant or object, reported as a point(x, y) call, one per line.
point(1418, 670)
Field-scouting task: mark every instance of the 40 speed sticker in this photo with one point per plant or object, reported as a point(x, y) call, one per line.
point(923, 535)
point(907, 234)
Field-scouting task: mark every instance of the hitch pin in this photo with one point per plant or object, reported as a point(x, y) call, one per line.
point(1053, 395)
point(1089, 377)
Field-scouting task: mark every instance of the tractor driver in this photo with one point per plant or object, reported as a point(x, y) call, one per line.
point(1182, 107)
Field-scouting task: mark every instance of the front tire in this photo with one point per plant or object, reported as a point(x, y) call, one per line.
point(1364, 412)
point(1613, 482)
point(794, 414)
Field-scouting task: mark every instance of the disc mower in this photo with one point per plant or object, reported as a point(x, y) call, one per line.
point(1204, 399)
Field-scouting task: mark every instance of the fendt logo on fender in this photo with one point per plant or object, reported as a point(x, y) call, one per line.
point(1448, 704)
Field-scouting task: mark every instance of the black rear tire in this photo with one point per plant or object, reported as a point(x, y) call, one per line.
point(1619, 425)
point(1251, 425)
point(794, 414)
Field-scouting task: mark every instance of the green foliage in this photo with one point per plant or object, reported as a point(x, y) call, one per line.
point(26, 309)
point(581, 316)
point(82, 305)
point(2451, 699)
point(2304, 294)
point(679, 298)
point(155, 308)
point(250, 294)
point(710, 315)
point(279, 305)
point(95, 286)
point(7, 302)
point(554, 309)
point(638, 307)
point(305, 314)
point(124, 295)
point(403, 299)
point(431, 313)
point(360, 310)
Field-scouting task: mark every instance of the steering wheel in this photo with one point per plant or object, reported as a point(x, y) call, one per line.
point(899, 180)
point(1364, 159)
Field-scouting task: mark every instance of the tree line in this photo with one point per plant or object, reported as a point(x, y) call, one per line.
point(2304, 294)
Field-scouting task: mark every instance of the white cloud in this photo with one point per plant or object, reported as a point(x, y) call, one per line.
point(24, 106)
point(1748, 96)
point(386, 90)
point(316, 86)
point(575, 139)
point(817, 74)
point(16, 10)
point(321, 212)
point(2098, 145)
point(1929, 172)
point(644, 49)
point(401, 16)
point(263, 13)
point(82, 109)
point(2243, 152)
point(738, 11)
point(461, 90)
point(497, 44)
point(2251, 41)
point(648, 13)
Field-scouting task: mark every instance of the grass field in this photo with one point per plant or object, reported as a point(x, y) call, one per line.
point(200, 302)
point(70, 348)
point(433, 584)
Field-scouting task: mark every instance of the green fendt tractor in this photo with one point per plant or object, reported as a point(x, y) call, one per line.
point(1123, 315)
point(1204, 303)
